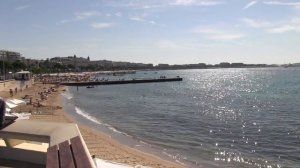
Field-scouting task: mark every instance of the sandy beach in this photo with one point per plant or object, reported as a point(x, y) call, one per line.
point(98, 144)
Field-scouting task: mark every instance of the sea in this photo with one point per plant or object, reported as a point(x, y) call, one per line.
point(232, 118)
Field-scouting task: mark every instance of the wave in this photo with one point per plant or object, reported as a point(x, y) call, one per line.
point(86, 115)
point(67, 94)
point(95, 120)
point(115, 130)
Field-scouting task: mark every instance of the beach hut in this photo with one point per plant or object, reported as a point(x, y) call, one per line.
point(23, 75)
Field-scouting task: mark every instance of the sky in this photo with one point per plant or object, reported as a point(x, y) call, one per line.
point(154, 31)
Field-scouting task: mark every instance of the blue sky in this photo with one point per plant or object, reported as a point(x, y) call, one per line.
point(154, 31)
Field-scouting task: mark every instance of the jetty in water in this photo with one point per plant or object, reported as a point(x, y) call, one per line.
point(116, 82)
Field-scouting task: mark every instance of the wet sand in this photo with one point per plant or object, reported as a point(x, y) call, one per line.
point(98, 144)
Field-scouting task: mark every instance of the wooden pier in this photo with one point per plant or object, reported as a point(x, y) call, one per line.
point(117, 82)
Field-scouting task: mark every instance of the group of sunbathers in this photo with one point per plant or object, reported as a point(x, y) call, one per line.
point(44, 94)
point(58, 79)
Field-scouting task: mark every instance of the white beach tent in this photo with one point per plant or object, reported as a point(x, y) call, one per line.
point(10, 104)
point(16, 101)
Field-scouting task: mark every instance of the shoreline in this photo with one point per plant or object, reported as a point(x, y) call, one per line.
point(99, 144)
point(97, 126)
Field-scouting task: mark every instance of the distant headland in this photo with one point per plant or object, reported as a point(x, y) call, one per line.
point(12, 61)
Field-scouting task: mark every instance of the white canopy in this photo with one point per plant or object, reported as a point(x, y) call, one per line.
point(23, 72)
point(16, 101)
point(10, 104)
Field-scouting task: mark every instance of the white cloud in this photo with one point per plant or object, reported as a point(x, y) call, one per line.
point(291, 25)
point(138, 19)
point(85, 15)
point(119, 14)
point(152, 22)
point(22, 7)
point(196, 2)
point(218, 34)
point(63, 21)
point(295, 21)
point(250, 4)
point(80, 16)
point(274, 27)
point(227, 37)
point(284, 3)
point(101, 25)
point(138, 4)
point(142, 18)
point(255, 23)
point(282, 29)
point(154, 4)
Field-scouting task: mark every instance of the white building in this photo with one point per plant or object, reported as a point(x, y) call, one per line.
point(9, 55)
point(23, 75)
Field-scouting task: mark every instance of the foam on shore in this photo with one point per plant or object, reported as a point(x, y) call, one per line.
point(86, 115)
point(67, 94)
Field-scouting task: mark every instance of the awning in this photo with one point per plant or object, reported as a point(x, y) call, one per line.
point(23, 72)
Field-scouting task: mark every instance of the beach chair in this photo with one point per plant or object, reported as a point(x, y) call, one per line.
point(64, 139)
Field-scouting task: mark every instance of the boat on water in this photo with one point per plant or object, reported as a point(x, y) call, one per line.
point(90, 87)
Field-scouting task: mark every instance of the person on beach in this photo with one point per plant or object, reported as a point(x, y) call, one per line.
point(94, 159)
point(11, 92)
